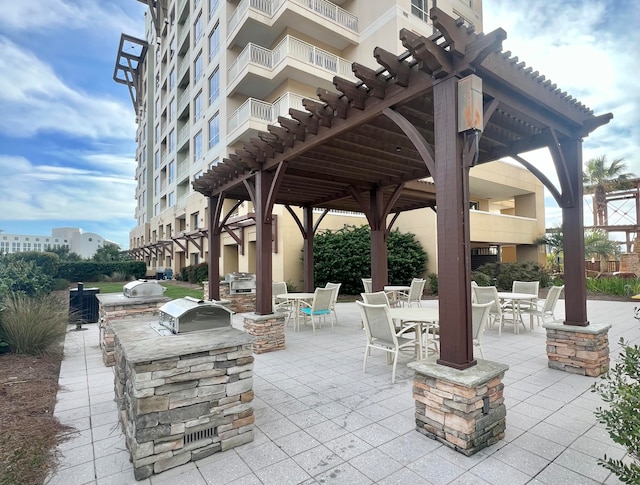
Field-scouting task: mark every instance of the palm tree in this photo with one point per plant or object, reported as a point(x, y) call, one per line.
point(598, 245)
point(600, 177)
point(554, 241)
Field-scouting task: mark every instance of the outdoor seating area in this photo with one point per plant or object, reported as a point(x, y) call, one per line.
point(320, 419)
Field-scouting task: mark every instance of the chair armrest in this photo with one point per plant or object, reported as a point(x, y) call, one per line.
point(407, 327)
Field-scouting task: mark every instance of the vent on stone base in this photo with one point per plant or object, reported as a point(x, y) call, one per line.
point(199, 435)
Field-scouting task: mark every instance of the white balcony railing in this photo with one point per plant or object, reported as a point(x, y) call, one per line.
point(256, 110)
point(183, 100)
point(183, 133)
point(183, 67)
point(293, 48)
point(183, 32)
point(324, 8)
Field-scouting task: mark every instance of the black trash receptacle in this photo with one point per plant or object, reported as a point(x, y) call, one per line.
point(83, 302)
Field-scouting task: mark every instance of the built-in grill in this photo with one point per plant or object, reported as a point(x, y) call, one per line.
point(143, 288)
point(241, 283)
point(190, 314)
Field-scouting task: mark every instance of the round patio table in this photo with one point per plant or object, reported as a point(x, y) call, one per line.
point(297, 298)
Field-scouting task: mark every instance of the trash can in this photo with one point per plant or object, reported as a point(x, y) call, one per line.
point(83, 302)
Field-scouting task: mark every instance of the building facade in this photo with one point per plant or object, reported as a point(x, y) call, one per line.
point(210, 75)
point(84, 244)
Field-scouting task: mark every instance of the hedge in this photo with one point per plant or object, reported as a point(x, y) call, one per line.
point(92, 271)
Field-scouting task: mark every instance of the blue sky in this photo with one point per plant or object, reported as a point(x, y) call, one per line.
point(67, 129)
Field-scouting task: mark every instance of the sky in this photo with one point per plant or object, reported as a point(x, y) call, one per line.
point(67, 130)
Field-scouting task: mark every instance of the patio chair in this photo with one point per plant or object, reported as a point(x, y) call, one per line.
point(531, 287)
point(479, 318)
point(381, 334)
point(367, 283)
point(336, 290)
point(546, 310)
point(414, 295)
point(377, 298)
point(281, 305)
point(474, 285)
point(319, 308)
point(489, 294)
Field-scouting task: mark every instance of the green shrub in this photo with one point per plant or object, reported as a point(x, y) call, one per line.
point(94, 271)
point(23, 277)
point(482, 279)
point(59, 284)
point(620, 387)
point(504, 274)
point(30, 325)
point(614, 285)
point(433, 283)
point(345, 256)
point(47, 262)
point(194, 274)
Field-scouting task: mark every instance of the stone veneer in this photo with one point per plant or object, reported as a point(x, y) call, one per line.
point(182, 397)
point(579, 350)
point(116, 306)
point(463, 409)
point(268, 331)
point(238, 303)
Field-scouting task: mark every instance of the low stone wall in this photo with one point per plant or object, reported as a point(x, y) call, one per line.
point(116, 306)
point(579, 350)
point(463, 409)
point(268, 331)
point(238, 303)
point(182, 397)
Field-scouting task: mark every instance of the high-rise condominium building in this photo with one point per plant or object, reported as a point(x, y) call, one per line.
point(211, 74)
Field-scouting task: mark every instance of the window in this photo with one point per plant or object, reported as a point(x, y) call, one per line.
point(420, 9)
point(172, 199)
point(157, 160)
point(197, 175)
point(195, 217)
point(172, 140)
point(197, 68)
point(197, 146)
point(213, 6)
point(197, 107)
point(172, 47)
point(156, 209)
point(214, 131)
point(214, 86)
point(197, 29)
point(172, 110)
point(214, 163)
point(172, 78)
point(214, 42)
point(157, 133)
point(156, 186)
point(172, 171)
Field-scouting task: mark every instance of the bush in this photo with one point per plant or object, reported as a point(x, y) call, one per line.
point(504, 274)
point(30, 325)
point(23, 277)
point(59, 284)
point(345, 256)
point(47, 262)
point(614, 285)
point(620, 387)
point(482, 279)
point(433, 283)
point(92, 271)
point(194, 274)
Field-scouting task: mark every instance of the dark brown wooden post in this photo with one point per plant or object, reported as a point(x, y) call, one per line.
point(573, 243)
point(456, 344)
point(308, 233)
point(215, 207)
point(264, 263)
point(379, 270)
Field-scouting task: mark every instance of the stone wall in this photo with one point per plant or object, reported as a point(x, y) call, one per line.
point(579, 350)
point(630, 263)
point(268, 331)
point(239, 303)
point(188, 402)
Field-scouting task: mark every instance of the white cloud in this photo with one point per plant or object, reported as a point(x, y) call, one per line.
point(35, 99)
point(56, 193)
point(27, 15)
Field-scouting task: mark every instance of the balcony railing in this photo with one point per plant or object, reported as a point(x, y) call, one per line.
point(183, 99)
point(254, 109)
point(183, 67)
point(183, 33)
point(328, 10)
point(183, 134)
point(289, 47)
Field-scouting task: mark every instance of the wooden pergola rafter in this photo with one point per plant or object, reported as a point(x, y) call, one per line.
point(391, 143)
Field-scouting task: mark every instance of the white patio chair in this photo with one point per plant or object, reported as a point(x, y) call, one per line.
point(530, 287)
point(336, 290)
point(367, 283)
point(381, 334)
point(281, 305)
point(489, 294)
point(319, 308)
point(376, 298)
point(479, 318)
point(474, 285)
point(546, 310)
point(414, 295)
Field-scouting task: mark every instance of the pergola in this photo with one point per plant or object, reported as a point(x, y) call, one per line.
point(370, 145)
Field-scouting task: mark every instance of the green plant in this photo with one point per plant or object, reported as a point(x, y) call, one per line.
point(433, 283)
point(481, 278)
point(23, 277)
point(31, 324)
point(345, 256)
point(614, 285)
point(505, 274)
point(620, 387)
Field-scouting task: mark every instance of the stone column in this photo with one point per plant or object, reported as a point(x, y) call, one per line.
point(463, 409)
point(579, 350)
point(268, 331)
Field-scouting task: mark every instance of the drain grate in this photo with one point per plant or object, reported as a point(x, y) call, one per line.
point(199, 435)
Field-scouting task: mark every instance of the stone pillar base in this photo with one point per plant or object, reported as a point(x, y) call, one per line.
point(463, 409)
point(579, 350)
point(268, 331)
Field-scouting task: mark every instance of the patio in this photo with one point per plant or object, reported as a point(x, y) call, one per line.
point(319, 419)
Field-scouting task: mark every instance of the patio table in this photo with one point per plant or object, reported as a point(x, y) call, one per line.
point(426, 320)
point(517, 299)
point(297, 299)
point(394, 289)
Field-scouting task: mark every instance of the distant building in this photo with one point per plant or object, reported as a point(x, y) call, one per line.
point(84, 244)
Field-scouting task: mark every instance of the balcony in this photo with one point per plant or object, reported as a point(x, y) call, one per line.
point(263, 21)
point(183, 136)
point(254, 116)
point(257, 71)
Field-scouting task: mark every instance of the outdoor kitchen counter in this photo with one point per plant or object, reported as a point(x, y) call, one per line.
point(141, 343)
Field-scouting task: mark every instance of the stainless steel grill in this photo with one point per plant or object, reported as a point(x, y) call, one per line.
point(190, 314)
point(139, 288)
point(241, 283)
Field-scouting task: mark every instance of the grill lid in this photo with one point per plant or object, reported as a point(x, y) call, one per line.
point(143, 287)
point(189, 314)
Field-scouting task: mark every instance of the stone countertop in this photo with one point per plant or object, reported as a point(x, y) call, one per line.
point(141, 343)
point(483, 371)
point(119, 298)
